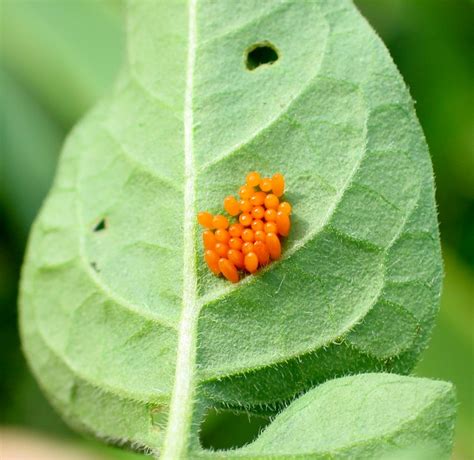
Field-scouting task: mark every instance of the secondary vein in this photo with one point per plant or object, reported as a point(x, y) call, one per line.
point(179, 422)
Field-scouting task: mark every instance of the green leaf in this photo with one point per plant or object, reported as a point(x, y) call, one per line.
point(119, 314)
point(66, 53)
point(365, 416)
point(28, 161)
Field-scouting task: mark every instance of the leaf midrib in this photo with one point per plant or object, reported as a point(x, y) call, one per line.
point(181, 407)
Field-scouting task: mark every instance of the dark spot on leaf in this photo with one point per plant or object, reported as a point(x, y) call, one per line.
point(260, 54)
point(223, 429)
point(101, 225)
point(95, 267)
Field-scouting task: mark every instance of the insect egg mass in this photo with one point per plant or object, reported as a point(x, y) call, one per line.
point(250, 238)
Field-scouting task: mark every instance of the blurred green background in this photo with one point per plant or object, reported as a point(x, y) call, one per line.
point(58, 56)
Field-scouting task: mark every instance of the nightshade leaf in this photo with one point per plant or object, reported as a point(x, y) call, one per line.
point(128, 320)
point(369, 416)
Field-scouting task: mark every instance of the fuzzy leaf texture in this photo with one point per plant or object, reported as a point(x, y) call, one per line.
point(374, 416)
point(127, 331)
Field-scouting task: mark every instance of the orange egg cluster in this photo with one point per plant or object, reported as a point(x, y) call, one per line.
point(250, 242)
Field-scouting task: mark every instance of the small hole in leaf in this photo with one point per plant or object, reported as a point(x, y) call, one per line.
point(260, 54)
point(230, 430)
point(101, 225)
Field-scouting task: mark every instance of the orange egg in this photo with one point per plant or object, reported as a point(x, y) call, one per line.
point(270, 227)
point(247, 247)
point(205, 219)
point(251, 262)
point(235, 243)
point(245, 192)
point(236, 257)
point(260, 235)
point(257, 225)
point(266, 184)
point(220, 221)
point(245, 205)
point(228, 269)
point(260, 248)
point(273, 245)
point(209, 239)
point(248, 235)
point(221, 249)
point(253, 179)
point(236, 230)
point(285, 207)
point(278, 184)
point(245, 219)
point(231, 205)
point(222, 235)
point(283, 223)
point(258, 212)
point(270, 215)
point(258, 198)
point(271, 201)
point(212, 260)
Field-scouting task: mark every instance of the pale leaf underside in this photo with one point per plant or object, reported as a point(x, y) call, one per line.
point(120, 314)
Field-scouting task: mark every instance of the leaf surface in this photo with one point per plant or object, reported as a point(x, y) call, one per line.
point(118, 311)
point(372, 416)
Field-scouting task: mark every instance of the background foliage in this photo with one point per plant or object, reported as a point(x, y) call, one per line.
point(58, 56)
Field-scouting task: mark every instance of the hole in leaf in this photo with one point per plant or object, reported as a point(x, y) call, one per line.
point(260, 54)
point(101, 225)
point(230, 430)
